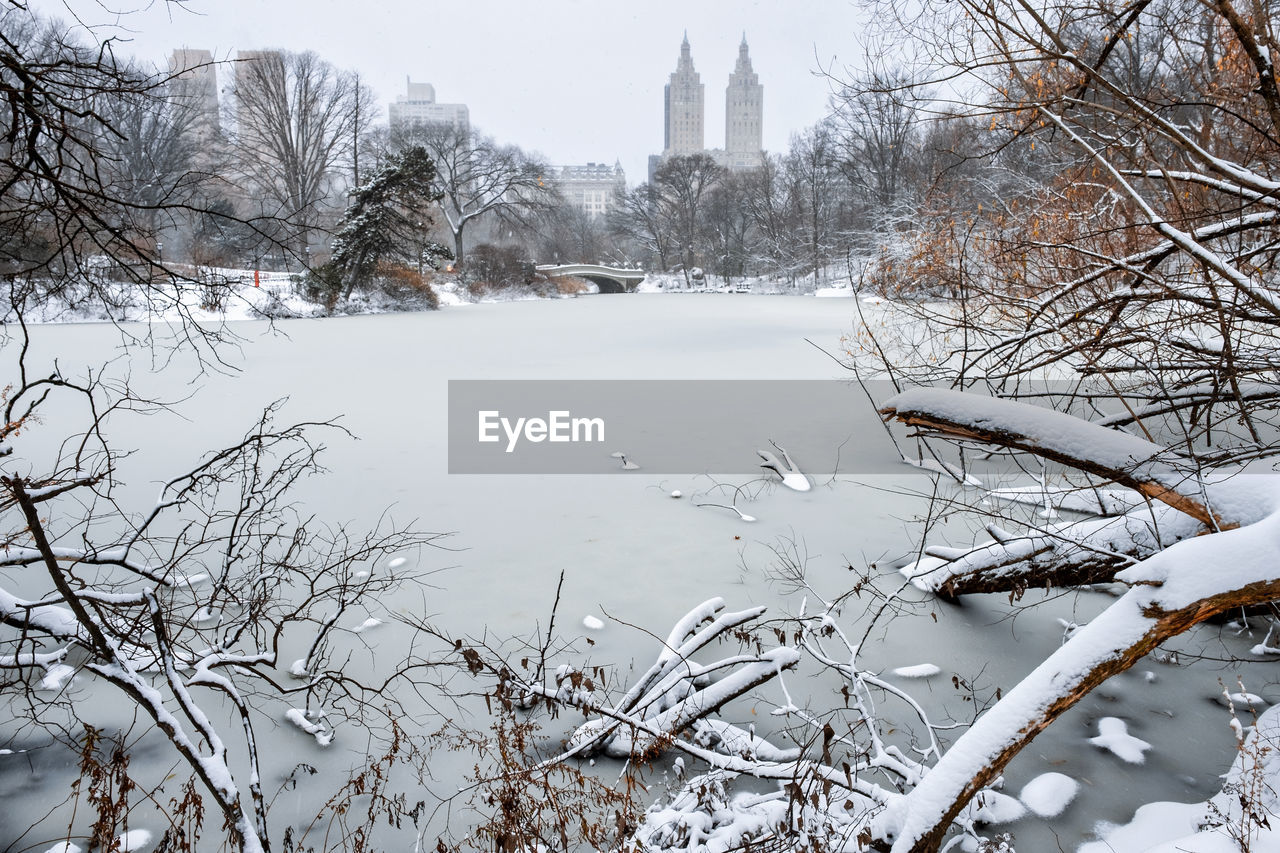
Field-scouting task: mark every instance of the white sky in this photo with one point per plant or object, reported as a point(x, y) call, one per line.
point(574, 80)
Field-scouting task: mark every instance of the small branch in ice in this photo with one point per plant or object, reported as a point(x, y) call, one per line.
point(627, 464)
point(299, 718)
point(792, 477)
point(742, 515)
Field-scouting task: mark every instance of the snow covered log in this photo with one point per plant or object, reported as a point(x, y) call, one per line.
point(1148, 468)
point(1172, 591)
point(1075, 553)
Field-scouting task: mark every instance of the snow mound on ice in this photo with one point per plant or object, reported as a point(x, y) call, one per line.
point(1114, 736)
point(132, 841)
point(1049, 794)
point(1243, 700)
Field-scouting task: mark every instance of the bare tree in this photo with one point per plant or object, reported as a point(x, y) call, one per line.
point(811, 170)
point(1153, 127)
point(876, 125)
point(155, 160)
point(772, 201)
point(727, 226)
point(481, 179)
point(297, 119)
point(682, 185)
point(571, 235)
point(638, 216)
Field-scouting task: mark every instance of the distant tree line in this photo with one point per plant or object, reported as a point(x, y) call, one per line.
point(288, 167)
point(843, 200)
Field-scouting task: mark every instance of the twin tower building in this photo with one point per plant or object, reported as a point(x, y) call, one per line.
point(684, 114)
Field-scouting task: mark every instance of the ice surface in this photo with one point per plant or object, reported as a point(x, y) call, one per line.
point(1219, 825)
point(515, 534)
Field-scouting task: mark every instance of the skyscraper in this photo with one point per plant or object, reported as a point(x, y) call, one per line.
point(419, 108)
point(743, 114)
point(684, 97)
point(193, 83)
point(684, 110)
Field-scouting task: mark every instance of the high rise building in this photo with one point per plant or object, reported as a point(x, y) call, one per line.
point(684, 101)
point(684, 111)
point(743, 114)
point(418, 107)
point(194, 84)
point(590, 188)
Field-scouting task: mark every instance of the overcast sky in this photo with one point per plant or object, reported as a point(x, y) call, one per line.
point(574, 80)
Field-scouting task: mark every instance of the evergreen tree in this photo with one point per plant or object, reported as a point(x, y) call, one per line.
point(388, 220)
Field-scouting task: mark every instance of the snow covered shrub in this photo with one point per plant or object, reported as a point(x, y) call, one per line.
point(406, 286)
point(570, 285)
point(321, 285)
point(490, 269)
point(1249, 799)
point(918, 264)
point(519, 798)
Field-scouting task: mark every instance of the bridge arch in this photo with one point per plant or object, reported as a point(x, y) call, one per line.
point(608, 279)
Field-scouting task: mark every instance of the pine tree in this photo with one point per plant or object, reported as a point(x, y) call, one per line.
point(387, 220)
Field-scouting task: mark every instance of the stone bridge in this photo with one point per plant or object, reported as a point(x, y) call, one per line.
point(608, 279)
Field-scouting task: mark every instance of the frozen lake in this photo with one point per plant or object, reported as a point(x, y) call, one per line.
point(628, 551)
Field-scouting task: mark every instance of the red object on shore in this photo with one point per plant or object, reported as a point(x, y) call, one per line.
point(255, 279)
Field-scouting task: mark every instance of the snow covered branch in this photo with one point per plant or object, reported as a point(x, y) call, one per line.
point(1117, 457)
